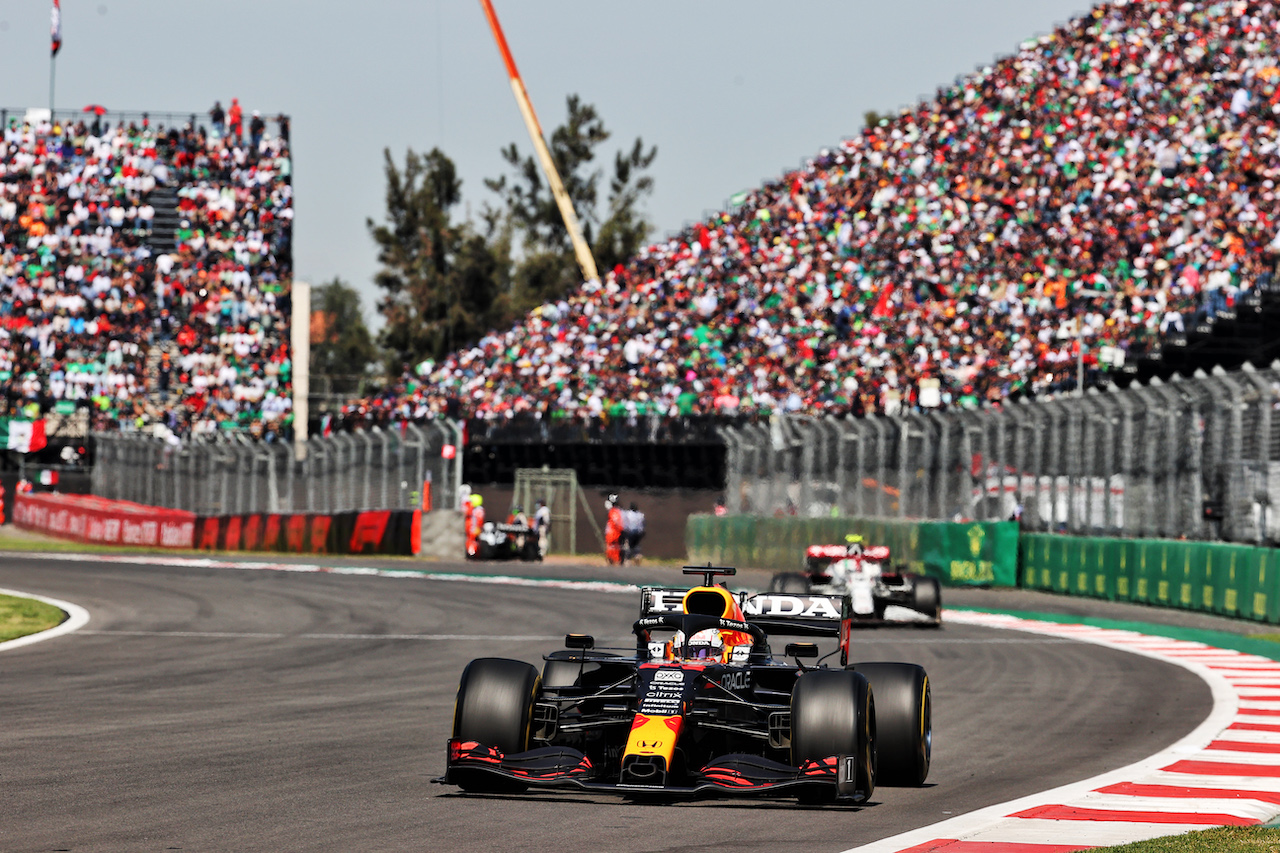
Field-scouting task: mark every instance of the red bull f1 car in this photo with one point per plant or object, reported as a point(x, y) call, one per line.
point(878, 592)
point(700, 706)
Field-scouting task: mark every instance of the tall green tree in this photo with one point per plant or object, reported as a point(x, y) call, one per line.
point(546, 267)
point(444, 285)
point(341, 343)
point(871, 118)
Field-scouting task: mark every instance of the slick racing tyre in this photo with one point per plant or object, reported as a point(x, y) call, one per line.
point(833, 713)
point(791, 583)
point(904, 721)
point(926, 597)
point(494, 708)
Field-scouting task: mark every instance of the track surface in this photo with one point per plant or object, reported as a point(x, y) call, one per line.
point(214, 709)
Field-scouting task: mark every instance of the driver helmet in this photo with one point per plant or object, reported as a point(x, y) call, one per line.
point(704, 645)
point(854, 546)
point(476, 500)
point(610, 502)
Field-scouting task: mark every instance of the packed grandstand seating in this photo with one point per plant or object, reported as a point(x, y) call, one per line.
point(1119, 173)
point(103, 309)
point(1114, 180)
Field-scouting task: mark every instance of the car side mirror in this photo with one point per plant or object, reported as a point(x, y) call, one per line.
point(802, 650)
point(579, 641)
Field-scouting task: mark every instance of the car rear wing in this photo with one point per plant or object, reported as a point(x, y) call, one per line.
point(809, 615)
point(831, 553)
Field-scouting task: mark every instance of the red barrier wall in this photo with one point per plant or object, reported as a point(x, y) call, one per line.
point(85, 518)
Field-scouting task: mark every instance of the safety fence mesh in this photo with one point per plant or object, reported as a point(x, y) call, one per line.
point(401, 468)
point(1196, 458)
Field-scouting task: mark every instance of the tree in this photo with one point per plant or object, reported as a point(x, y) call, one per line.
point(444, 284)
point(340, 341)
point(871, 119)
point(546, 267)
point(626, 229)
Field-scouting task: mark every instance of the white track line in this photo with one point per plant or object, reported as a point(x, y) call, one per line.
point(1172, 792)
point(262, 635)
point(77, 618)
point(315, 568)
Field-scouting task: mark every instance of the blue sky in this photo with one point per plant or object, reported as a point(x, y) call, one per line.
point(731, 92)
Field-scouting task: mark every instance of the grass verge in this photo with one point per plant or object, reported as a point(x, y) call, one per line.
point(1224, 839)
point(22, 616)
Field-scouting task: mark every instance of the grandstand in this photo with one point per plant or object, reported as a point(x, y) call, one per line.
point(1113, 181)
point(145, 269)
point(1111, 184)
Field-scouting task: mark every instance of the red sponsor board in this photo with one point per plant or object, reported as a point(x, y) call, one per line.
point(271, 536)
point(84, 518)
point(231, 532)
point(295, 532)
point(208, 534)
point(320, 533)
point(369, 529)
point(253, 533)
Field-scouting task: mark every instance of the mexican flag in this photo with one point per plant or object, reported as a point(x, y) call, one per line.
point(21, 435)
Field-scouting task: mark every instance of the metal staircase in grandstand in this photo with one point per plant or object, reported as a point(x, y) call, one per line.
point(164, 227)
point(1250, 332)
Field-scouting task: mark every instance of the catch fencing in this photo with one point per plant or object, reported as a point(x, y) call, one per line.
point(405, 467)
point(1196, 458)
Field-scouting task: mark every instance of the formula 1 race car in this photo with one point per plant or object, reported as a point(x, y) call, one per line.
point(504, 541)
point(699, 706)
point(862, 573)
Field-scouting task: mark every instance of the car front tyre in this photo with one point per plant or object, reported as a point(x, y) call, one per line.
point(833, 713)
point(494, 708)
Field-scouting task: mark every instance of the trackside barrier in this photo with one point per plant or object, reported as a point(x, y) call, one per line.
point(93, 520)
point(976, 553)
point(1240, 581)
point(383, 531)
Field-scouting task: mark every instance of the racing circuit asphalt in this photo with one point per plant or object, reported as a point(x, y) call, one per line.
point(224, 709)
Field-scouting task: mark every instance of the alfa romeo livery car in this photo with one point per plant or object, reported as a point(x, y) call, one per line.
point(878, 593)
point(699, 706)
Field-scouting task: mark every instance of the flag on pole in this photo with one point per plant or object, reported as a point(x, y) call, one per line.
point(22, 435)
point(56, 30)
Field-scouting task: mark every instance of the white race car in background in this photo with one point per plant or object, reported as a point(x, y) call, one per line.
point(879, 593)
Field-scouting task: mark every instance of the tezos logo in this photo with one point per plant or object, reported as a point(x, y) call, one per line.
point(669, 675)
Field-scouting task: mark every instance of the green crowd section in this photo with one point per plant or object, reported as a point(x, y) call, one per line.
point(1240, 581)
point(977, 553)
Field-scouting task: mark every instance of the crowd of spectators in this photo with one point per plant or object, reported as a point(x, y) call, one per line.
point(1119, 174)
point(1110, 182)
point(98, 312)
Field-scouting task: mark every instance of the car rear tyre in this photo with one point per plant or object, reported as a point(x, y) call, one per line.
point(833, 713)
point(904, 721)
point(494, 708)
point(926, 597)
point(791, 583)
